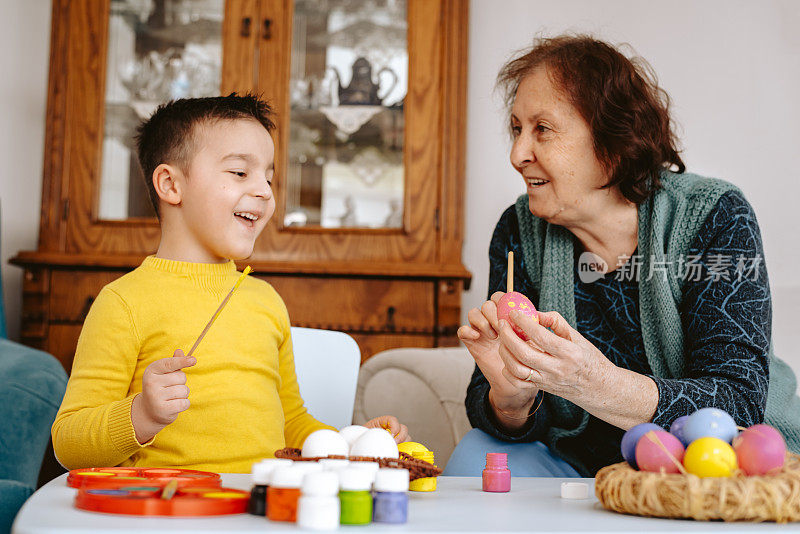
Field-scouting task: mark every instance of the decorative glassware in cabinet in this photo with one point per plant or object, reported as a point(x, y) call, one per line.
point(348, 83)
point(158, 50)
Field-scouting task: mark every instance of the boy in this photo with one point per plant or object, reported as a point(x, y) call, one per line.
point(210, 163)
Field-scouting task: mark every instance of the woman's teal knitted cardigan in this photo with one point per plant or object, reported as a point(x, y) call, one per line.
point(668, 223)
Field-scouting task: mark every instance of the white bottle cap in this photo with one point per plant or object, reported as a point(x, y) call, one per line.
point(354, 479)
point(262, 469)
point(391, 479)
point(369, 467)
point(320, 484)
point(287, 477)
point(333, 464)
point(574, 490)
point(308, 467)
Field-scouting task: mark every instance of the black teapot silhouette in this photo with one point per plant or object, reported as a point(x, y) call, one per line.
point(362, 91)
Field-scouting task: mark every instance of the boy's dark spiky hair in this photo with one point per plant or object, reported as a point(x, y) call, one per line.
point(168, 135)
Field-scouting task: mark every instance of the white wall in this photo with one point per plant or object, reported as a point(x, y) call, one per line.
point(25, 45)
point(732, 70)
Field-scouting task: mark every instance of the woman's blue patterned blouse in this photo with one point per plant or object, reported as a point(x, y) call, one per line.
point(727, 320)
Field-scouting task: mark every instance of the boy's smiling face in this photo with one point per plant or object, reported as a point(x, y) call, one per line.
point(225, 194)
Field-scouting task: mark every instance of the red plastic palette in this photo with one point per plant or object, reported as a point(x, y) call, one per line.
point(115, 477)
point(146, 500)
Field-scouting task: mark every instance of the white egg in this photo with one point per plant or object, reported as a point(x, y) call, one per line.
point(377, 443)
point(324, 443)
point(352, 433)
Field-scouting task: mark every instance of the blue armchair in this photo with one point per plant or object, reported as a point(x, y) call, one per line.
point(32, 385)
point(3, 331)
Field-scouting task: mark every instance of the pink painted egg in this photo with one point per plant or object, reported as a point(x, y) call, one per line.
point(652, 456)
point(519, 302)
point(760, 449)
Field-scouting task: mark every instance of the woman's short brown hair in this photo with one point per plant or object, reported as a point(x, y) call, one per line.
point(627, 112)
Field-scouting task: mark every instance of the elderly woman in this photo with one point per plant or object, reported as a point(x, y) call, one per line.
point(652, 290)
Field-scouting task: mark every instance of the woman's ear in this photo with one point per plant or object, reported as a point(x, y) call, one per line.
point(167, 185)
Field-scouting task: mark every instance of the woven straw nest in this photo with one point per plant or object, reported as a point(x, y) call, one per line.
point(416, 468)
point(738, 498)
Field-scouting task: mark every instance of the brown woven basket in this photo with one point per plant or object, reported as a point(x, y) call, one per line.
point(738, 498)
point(416, 468)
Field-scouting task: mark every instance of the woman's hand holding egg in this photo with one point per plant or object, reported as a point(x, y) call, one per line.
point(511, 401)
point(564, 363)
point(480, 337)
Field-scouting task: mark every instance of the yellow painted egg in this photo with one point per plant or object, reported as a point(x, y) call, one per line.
point(710, 457)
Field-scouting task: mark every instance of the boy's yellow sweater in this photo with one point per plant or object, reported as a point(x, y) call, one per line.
point(245, 402)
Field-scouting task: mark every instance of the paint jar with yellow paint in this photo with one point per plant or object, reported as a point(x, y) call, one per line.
point(423, 484)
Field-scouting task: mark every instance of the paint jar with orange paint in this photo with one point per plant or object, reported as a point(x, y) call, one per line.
point(283, 493)
point(260, 477)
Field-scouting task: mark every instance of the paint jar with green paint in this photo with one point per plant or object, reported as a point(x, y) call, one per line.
point(355, 497)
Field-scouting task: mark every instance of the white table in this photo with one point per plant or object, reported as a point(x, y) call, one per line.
point(459, 505)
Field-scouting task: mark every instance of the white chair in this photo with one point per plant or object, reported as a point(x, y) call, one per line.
point(326, 363)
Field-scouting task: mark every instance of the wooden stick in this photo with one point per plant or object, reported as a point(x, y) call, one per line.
point(169, 490)
point(510, 276)
point(219, 310)
point(652, 437)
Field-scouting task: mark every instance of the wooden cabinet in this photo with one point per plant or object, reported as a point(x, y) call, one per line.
point(391, 286)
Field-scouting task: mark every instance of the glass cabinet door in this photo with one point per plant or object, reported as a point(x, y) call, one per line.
point(158, 50)
point(348, 82)
point(359, 88)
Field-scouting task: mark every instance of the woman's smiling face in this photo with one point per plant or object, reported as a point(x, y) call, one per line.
point(553, 150)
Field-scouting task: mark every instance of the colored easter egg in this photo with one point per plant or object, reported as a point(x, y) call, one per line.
point(710, 457)
point(516, 301)
point(760, 449)
point(631, 438)
point(676, 429)
point(709, 422)
point(659, 451)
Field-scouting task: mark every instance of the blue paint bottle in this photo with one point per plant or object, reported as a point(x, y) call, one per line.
point(391, 496)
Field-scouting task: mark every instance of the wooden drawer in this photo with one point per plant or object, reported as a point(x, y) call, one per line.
point(36, 281)
point(357, 304)
point(347, 304)
point(72, 293)
point(379, 313)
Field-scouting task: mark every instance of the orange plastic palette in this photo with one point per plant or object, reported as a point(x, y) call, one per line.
point(115, 477)
point(146, 500)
